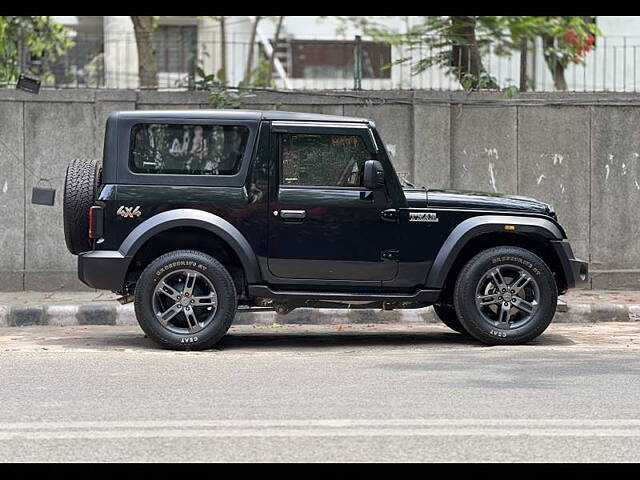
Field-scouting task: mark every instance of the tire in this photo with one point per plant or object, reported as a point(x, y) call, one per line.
point(497, 316)
point(448, 316)
point(80, 189)
point(212, 318)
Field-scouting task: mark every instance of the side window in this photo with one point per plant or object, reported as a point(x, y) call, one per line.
point(187, 149)
point(323, 160)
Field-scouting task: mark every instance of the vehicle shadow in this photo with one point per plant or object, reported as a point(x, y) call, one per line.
point(375, 339)
point(291, 341)
point(341, 339)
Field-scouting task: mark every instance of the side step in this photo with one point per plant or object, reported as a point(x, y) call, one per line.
point(419, 296)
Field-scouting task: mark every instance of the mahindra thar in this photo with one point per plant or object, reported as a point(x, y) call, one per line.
point(194, 214)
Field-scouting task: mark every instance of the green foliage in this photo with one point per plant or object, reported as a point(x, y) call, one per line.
point(37, 37)
point(566, 35)
point(469, 81)
point(220, 95)
point(511, 91)
point(432, 40)
point(259, 75)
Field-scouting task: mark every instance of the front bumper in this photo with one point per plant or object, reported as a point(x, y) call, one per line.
point(576, 271)
point(103, 269)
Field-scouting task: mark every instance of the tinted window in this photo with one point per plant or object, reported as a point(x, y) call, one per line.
point(187, 149)
point(323, 160)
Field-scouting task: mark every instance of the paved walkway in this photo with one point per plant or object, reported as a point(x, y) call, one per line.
point(101, 308)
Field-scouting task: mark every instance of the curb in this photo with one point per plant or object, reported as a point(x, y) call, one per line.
point(110, 314)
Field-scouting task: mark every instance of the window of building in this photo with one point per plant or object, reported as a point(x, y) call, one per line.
point(323, 160)
point(187, 149)
point(334, 59)
point(175, 47)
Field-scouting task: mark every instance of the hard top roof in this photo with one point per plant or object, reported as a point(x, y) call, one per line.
point(238, 115)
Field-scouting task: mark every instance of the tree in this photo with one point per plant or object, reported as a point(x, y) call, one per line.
point(33, 42)
point(455, 43)
point(276, 39)
point(574, 37)
point(565, 39)
point(458, 43)
point(223, 49)
point(466, 61)
point(252, 41)
point(144, 27)
point(222, 71)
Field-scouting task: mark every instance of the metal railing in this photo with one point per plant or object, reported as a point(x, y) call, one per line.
point(308, 64)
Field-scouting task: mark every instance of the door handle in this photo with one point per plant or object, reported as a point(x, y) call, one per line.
point(293, 214)
point(390, 215)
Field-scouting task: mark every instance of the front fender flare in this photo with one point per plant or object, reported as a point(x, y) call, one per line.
point(474, 226)
point(186, 217)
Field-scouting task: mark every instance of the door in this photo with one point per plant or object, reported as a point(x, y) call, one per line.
point(323, 224)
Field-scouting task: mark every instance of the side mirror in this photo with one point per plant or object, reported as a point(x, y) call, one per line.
point(373, 175)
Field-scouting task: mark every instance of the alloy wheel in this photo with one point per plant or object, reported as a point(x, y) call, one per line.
point(184, 301)
point(507, 296)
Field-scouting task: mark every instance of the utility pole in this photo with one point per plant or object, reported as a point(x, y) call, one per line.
point(357, 64)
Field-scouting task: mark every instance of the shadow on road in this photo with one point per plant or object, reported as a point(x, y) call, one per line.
point(342, 339)
point(376, 339)
point(251, 341)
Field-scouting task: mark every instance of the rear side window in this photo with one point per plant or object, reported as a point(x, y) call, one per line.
point(323, 160)
point(176, 149)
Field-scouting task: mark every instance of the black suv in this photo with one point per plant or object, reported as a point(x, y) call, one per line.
point(192, 214)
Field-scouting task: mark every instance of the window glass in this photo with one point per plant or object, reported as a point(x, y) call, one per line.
point(334, 58)
point(323, 160)
point(187, 149)
point(176, 45)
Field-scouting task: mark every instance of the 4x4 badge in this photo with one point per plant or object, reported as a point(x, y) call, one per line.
point(129, 212)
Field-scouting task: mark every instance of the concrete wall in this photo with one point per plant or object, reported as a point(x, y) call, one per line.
point(580, 152)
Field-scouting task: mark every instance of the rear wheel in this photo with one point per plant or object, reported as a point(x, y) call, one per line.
point(185, 300)
point(448, 316)
point(505, 296)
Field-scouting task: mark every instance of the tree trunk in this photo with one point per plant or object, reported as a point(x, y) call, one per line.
point(276, 38)
point(466, 59)
point(223, 50)
point(523, 64)
point(147, 67)
point(555, 65)
point(252, 41)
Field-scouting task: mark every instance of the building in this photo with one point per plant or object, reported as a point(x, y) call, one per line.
point(311, 54)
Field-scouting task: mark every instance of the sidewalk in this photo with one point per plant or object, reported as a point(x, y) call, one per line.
point(101, 308)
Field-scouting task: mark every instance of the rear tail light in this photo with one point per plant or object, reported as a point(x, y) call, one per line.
point(95, 222)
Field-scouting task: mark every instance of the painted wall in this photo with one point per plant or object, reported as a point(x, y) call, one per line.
point(580, 152)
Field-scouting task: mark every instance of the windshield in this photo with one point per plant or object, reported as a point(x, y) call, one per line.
point(406, 183)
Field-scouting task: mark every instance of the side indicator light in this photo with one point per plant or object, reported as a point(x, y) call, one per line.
point(91, 220)
point(509, 227)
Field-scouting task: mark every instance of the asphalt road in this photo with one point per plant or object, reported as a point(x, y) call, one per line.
point(305, 393)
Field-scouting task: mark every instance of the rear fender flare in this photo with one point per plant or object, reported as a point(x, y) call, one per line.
point(186, 217)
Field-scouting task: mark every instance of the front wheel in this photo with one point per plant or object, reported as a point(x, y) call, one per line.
point(448, 316)
point(505, 296)
point(185, 300)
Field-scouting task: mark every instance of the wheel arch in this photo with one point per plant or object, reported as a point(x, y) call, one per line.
point(196, 222)
point(478, 233)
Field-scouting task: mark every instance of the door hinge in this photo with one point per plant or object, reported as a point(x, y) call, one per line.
point(393, 255)
point(390, 215)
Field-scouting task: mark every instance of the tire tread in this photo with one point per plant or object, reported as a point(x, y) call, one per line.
point(170, 341)
point(466, 315)
point(81, 183)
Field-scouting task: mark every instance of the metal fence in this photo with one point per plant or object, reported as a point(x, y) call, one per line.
point(312, 64)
